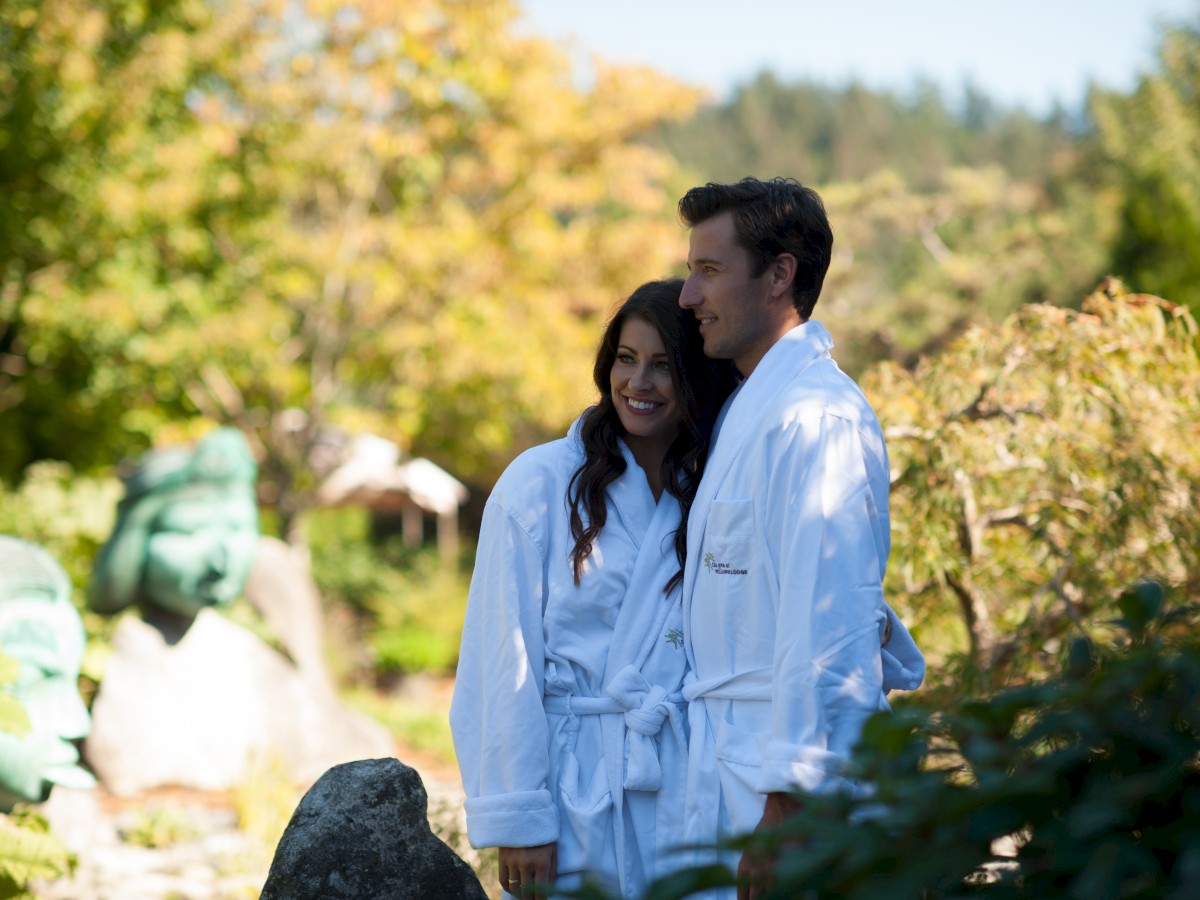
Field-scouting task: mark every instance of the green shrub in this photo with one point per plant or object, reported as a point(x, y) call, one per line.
point(410, 602)
point(1090, 778)
point(28, 851)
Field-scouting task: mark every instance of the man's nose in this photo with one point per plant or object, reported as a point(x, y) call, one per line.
point(689, 297)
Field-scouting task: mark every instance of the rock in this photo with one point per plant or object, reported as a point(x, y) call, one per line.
point(361, 833)
point(198, 708)
point(76, 819)
point(282, 590)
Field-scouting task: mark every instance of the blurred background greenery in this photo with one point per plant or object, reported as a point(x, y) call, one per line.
point(406, 218)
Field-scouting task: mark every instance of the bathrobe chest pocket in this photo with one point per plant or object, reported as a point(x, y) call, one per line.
point(729, 546)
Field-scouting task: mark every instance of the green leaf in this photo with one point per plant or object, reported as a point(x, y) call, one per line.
point(28, 851)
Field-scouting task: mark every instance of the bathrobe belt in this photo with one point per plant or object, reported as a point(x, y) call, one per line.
point(752, 684)
point(902, 663)
point(645, 708)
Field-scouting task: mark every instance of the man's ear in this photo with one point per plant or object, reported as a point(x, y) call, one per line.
point(782, 273)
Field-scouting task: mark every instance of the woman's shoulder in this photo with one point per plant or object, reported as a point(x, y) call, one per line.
point(537, 472)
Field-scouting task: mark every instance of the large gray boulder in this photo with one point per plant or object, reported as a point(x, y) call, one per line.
point(362, 833)
point(201, 707)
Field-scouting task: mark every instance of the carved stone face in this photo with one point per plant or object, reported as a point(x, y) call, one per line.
point(41, 630)
point(186, 531)
point(200, 550)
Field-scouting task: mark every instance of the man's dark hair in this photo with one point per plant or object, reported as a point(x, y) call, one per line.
point(770, 218)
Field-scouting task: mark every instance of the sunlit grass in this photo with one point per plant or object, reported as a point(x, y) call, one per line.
point(411, 722)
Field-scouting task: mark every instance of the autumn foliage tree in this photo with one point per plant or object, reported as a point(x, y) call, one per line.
point(396, 217)
point(914, 269)
point(1040, 467)
point(84, 88)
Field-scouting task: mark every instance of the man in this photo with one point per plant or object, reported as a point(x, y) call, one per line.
point(786, 628)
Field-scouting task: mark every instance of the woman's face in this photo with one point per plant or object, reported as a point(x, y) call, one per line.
point(642, 389)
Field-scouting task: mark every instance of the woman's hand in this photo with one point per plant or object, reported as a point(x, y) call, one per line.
point(521, 866)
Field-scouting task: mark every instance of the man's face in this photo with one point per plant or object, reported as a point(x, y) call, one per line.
point(738, 319)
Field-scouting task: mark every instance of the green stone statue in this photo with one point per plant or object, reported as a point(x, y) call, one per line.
point(186, 530)
point(40, 628)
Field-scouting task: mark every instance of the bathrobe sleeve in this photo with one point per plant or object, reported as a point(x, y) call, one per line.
point(828, 538)
point(497, 716)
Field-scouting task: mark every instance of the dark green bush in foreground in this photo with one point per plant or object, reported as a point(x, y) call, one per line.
point(1090, 778)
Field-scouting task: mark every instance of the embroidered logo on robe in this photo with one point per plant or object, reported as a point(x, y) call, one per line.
point(721, 568)
point(674, 637)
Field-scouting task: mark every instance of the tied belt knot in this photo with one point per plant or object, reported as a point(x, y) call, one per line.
point(645, 709)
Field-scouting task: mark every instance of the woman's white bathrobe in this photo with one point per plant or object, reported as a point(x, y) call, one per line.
point(567, 716)
point(791, 641)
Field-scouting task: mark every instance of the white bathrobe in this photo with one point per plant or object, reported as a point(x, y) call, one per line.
point(568, 720)
point(784, 613)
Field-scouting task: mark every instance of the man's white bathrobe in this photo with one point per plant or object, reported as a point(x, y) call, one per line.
point(784, 613)
point(568, 720)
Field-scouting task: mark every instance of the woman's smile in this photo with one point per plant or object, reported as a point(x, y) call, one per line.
point(643, 389)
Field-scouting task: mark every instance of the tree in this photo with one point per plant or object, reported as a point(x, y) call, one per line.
point(912, 269)
point(1039, 467)
point(396, 217)
point(822, 133)
point(81, 83)
point(1149, 146)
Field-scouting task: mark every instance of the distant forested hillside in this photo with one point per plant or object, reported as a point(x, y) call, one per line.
point(947, 214)
point(821, 133)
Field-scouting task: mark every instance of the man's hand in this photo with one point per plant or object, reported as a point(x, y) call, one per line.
point(756, 871)
point(521, 866)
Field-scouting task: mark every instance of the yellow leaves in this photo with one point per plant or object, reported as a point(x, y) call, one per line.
point(397, 212)
point(89, 30)
point(628, 100)
point(1072, 431)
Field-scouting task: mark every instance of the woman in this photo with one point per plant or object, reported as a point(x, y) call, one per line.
point(567, 717)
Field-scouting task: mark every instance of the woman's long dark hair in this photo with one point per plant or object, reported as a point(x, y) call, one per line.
point(702, 384)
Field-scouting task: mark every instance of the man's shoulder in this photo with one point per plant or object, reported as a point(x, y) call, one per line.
point(819, 389)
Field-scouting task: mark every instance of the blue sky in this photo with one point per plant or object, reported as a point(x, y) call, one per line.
point(1019, 52)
